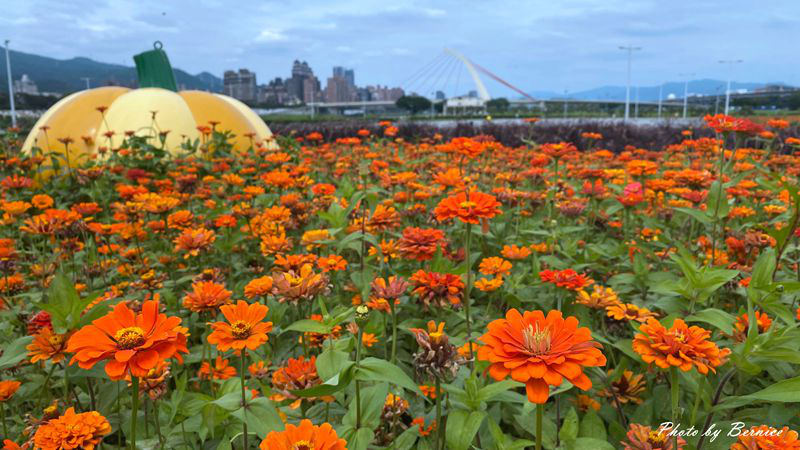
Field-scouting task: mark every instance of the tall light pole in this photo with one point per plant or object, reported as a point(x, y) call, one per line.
point(10, 88)
point(730, 63)
point(630, 49)
point(636, 104)
point(686, 92)
point(86, 79)
point(660, 96)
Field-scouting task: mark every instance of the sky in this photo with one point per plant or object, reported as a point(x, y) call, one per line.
point(554, 45)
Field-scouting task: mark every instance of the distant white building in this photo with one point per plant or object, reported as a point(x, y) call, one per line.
point(25, 86)
point(464, 105)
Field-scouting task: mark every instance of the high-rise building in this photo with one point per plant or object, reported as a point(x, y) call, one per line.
point(350, 77)
point(240, 85)
point(340, 88)
point(303, 85)
point(385, 93)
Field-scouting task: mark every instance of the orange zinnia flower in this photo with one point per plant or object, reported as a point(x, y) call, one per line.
point(260, 287)
point(766, 437)
point(7, 389)
point(193, 240)
point(306, 436)
point(47, 345)
point(494, 266)
point(568, 279)
point(222, 370)
point(129, 342)
point(243, 329)
point(468, 209)
point(206, 296)
point(540, 351)
point(680, 346)
point(72, 431)
point(514, 252)
point(332, 263)
point(629, 311)
point(298, 373)
point(420, 244)
point(440, 289)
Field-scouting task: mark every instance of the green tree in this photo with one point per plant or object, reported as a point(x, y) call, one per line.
point(498, 104)
point(413, 103)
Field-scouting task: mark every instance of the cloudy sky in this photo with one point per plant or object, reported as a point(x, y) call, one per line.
point(534, 44)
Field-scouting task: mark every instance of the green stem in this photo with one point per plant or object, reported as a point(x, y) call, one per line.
point(157, 423)
point(674, 387)
point(358, 387)
point(394, 331)
point(467, 287)
point(244, 402)
point(3, 418)
point(438, 415)
point(134, 410)
point(539, 413)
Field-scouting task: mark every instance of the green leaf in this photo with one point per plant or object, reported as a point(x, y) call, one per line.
point(698, 215)
point(717, 205)
point(14, 352)
point(374, 369)
point(358, 439)
point(761, 277)
point(372, 401)
point(406, 440)
point(585, 443)
point(462, 427)
point(592, 426)
point(487, 393)
point(230, 401)
point(309, 326)
point(786, 391)
point(330, 386)
point(569, 428)
point(262, 416)
point(331, 362)
point(720, 319)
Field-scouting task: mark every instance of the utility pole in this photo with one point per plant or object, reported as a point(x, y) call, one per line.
point(630, 49)
point(86, 79)
point(660, 95)
point(636, 104)
point(730, 63)
point(686, 92)
point(10, 88)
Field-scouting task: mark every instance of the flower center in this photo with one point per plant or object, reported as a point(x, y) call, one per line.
point(303, 445)
point(536, 341)
point(467, 204)
point(56, 340)
point(680, 337)
point(240, 329)
point(656, 437)
point(128, 338)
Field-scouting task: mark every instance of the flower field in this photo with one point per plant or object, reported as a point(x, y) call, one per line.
point(428, 292)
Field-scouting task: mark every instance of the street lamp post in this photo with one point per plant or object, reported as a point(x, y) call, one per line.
point(86, 79)
point(10, 88)
point(660, 96)
point(630, 49)
point(730, 63)
point(686, 92)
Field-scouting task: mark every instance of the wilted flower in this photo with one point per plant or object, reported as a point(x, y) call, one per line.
point(437, 357)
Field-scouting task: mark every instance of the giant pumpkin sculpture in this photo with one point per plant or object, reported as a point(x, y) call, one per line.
point(100, 117)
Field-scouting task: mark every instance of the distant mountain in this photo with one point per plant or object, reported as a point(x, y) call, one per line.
point(650, 93)
point(65, 76)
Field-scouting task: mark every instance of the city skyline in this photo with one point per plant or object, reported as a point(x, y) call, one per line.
point(535, 45)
